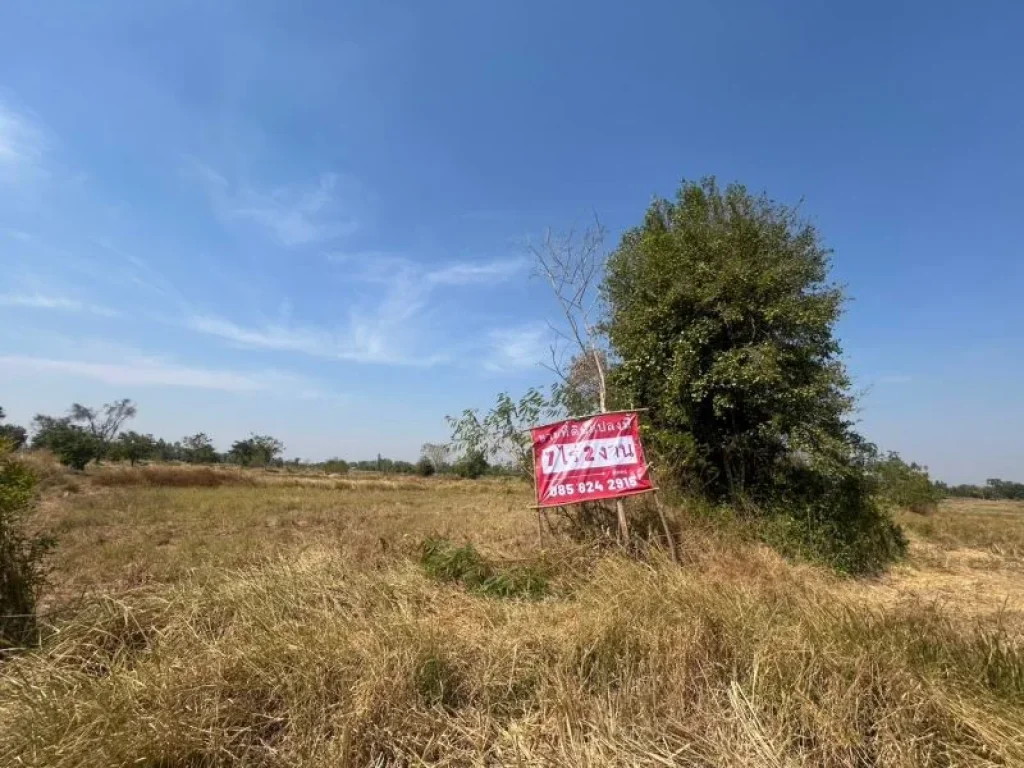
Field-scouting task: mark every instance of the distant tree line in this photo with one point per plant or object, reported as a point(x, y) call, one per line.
point(994, 488)
point(86, 435)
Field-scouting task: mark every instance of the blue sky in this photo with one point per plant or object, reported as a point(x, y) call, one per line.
point(309, 219)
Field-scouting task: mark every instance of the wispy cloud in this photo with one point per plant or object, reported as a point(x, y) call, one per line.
point(19, 235)
point(59, 303)
point(381, 332)
point(359, 341)
point(23, 144)
point(475, 273)
point(517, 349)
point(149, 371)
point(294, 215)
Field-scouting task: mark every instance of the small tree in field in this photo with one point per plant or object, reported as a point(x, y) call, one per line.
point(258, 450)
point(266, 448)
point(501, 434)
point(198, 449)
point(133, 447)
point(335, 466)
point(471, 465)
point(436, 454)
point(103, 423)
point(425, 467)
point(73, 445)
point(242, 452)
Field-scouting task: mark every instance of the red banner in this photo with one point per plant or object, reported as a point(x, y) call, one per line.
point(587, 459)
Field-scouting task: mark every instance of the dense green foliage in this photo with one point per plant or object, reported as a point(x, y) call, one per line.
point(471, 465)
point(259, 450)
point(335, 466)
point(21, 554)
point(73, 445)
point(132, 447)
point(721, 318)
point(12, 434)
point(198, 449)
point(905, 486)
point(425, 467)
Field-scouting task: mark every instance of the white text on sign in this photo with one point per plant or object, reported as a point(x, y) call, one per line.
point(588, 454)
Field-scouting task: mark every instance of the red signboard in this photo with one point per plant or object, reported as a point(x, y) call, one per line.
point(599, 457)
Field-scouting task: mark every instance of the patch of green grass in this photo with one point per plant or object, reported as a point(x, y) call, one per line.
point(444, 561)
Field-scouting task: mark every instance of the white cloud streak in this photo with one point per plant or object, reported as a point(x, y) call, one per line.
point(384, 333)
point(292, 215)
point(475, 273)
point(22, 139)
point(145, 371)
point(517, 349)
point(58, 303)
point(23, 146)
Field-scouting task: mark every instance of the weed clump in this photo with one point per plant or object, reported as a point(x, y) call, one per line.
point(444, 561)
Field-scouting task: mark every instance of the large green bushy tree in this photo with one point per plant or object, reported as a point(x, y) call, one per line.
point(721, 317)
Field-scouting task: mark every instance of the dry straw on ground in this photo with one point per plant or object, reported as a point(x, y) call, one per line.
point(289, 624)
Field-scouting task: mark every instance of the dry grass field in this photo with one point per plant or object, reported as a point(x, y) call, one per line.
point(214, 618)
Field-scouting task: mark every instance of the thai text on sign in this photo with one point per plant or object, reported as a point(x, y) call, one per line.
point(599, 457)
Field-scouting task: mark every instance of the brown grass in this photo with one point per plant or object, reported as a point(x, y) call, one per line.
point(280, 624)
point(171, 477)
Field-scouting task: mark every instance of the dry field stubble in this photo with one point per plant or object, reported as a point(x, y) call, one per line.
point(277, 620)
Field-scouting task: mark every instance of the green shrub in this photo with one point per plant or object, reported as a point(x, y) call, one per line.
point(425, 467)
point(21, 554)
point(905, 486)
point(335, 467)
point(472, 465)
point(73, 445)
point(444, 561)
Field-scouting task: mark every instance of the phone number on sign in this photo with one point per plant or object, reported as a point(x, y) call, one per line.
point(593, 486)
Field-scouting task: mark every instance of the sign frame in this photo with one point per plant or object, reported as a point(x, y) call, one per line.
point(592, 464)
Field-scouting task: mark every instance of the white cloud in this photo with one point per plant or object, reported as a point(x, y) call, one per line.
point(517, 349)
point(23, 144)
point(22, 139)
point(475, 273)
point(148, 371)
point(17, 234)
point(360, 342)
point(293, 215)
point(39, 301)
point(383, 332)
